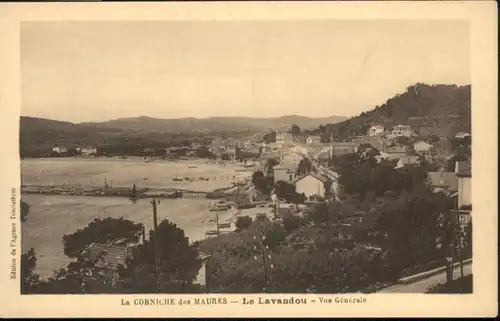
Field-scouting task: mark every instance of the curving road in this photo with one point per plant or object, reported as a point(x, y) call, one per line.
point(422, 285)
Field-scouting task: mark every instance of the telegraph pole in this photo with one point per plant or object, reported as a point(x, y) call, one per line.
point(452, 223)
point(155, 244)
point(457, 222)
point(217, 222)
point(265, 257)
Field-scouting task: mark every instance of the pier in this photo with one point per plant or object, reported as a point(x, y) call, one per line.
point(121, 192)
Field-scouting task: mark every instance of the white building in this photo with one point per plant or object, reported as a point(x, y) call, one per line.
point(89, 151)
point(376, 130)
point(283, 173)
point(59, 149)
point(401, 130)
point(463, 172)
point(422, 147)
point(202, 277)
point(313, 140)
point(310, 184)
point(462, 135)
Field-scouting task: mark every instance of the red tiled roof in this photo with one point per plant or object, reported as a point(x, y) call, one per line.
point(109, 255)
point(318, 177)
point(443, 179)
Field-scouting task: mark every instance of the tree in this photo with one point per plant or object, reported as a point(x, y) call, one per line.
point(204, 152)
point(468, 240)
point(292, 223)
point(304, 166)
point(262, 184)
point(178, 262)
point(271, 162)
point(327, 185)
point(284, 190)
point(81, 276)
point(412, 229)
point(243, 223)
point(295, 130)
point(101, 231)
point(270, 138)
point(322, 214)
point(30, 280)
point(25, 208)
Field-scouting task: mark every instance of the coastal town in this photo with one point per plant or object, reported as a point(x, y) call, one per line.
point(285, 178)
point(250, 157)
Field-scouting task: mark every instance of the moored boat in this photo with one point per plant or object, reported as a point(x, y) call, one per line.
point(220, 206)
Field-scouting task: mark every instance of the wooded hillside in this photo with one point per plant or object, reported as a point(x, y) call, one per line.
point(441, 110)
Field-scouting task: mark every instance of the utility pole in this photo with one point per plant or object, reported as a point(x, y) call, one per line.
point(452, 223)
point(457, 221)
point(217, 222)
point(155, 244)
point(265, 257)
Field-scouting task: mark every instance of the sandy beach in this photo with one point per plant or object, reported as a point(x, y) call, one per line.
point(96, 172)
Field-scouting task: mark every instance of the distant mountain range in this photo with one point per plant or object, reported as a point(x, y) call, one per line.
point(41, 134)
point(213, 124)
point(443, 110)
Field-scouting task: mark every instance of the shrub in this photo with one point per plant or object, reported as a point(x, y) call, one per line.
point(243, 223)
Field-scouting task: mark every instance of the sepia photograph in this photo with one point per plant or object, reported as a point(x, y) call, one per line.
point(246, 157)
point(223, 162)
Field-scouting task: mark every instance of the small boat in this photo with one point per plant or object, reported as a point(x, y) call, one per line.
point(192, 166)
point(177, 179)
point(225, 225)
point(220, 206)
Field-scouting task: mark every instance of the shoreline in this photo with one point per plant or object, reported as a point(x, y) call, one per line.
point(192, 161)
point(123, 192)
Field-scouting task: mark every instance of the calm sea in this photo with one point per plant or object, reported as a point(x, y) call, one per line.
point(51, 217)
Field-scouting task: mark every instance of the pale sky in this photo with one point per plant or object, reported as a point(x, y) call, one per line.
point(95, 71)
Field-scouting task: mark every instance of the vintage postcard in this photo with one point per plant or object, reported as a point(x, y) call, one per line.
point(249, 159)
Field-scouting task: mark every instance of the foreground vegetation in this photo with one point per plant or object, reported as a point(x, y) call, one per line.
point(458, 286)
